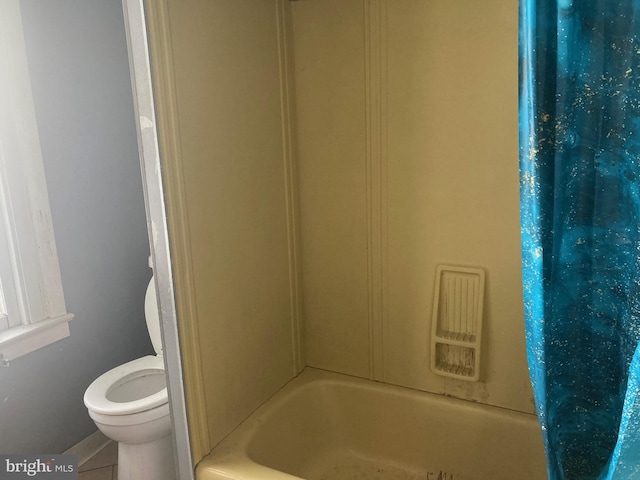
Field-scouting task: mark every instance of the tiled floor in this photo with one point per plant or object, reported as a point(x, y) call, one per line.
point(103, 466)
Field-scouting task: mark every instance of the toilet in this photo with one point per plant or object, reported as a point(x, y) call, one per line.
point(129, 404)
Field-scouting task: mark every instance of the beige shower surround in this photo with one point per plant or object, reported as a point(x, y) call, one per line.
point(321, 158)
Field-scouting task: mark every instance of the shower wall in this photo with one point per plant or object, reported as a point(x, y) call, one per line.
point(407, 157)
point(329, 154)
point(227, 140)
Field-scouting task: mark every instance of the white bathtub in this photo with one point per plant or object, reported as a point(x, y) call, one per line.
point(328, 426)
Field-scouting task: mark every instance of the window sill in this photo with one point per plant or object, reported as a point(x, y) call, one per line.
point(20, 340)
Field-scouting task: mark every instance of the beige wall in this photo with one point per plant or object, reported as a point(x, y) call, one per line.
point(227, 84)
point(407, 134)
point(405, 120)
point(329, 68)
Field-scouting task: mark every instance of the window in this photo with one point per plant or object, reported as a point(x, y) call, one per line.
point(32, 308)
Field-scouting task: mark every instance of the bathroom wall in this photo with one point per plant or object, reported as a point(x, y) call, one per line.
point(407, 158)
point(331, 100)
point(400, 154)
point(82, 91)
point(232, 155)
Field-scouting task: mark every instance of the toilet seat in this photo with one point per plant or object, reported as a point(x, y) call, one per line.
point(130, 405)
point(97, 396)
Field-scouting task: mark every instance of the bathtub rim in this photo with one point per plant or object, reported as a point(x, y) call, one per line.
point(232, 453)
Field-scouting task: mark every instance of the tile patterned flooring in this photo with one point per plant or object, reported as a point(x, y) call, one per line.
point(102, 466)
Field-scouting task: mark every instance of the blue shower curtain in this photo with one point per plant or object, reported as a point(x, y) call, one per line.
point(580, 222)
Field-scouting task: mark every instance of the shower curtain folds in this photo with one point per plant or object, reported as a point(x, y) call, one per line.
point(579, 117)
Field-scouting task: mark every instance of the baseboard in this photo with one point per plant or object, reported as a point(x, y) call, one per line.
point(89, 446)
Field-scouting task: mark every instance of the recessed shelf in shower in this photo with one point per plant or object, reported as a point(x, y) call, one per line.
point(457, 322)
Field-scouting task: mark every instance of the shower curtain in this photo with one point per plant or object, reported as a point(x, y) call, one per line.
point(580, 221)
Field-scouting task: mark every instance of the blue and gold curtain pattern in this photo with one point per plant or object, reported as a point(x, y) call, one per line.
point(580, 220)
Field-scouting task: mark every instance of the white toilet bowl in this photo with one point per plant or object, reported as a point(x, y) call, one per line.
point(129, 404)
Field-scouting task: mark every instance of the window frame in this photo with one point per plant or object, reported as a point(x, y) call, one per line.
point(32, 307)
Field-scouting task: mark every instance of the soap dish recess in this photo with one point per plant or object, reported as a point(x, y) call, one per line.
point(457, 322)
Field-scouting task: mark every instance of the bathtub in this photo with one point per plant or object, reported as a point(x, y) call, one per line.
point(326, 426)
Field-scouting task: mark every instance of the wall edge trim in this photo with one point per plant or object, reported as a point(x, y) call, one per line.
point(177, 213)
point(287, 96)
